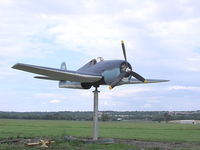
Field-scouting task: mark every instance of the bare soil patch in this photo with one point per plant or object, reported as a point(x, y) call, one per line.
point(159, 144)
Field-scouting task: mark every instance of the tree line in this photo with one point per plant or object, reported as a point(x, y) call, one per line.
point(65, 115)
point(104, 115)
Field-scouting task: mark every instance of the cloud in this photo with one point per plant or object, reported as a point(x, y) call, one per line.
point(192, 61)
point(147, 106)
point(154, 100)
point(6, 2)
point(46, 95)
point(55, 101)
point(143, 28)
point(117, 92)
point(88, 34)
point(179, 87)
point(50, 96)
point(120, 98)
point(181, 34)
point(162, 40)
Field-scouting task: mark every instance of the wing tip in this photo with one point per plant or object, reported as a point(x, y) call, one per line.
point(15, 66)
point(18, 65)
point(165, 80)
point(156, 81)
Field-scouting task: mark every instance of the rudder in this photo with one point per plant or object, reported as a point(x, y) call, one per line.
point(63, 66)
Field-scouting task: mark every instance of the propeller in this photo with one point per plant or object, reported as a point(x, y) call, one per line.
point(124, 52)
point(126, 71)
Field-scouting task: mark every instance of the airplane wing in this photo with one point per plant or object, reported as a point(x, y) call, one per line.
point(58, 74)
point(135, 81)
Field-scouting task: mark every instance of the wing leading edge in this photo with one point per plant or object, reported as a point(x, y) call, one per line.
point(58, 74)
point(135, 81)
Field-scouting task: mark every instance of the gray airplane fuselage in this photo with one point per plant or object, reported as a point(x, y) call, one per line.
point(109, 69)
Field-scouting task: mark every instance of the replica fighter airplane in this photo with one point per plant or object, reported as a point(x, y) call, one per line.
point(95, 73)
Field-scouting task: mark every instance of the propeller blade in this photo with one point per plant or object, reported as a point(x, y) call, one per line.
point(137, 76)
point(126, 72)
point(124, 51)
point(119, 78)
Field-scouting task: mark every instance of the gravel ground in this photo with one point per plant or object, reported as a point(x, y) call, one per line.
point(139, 143)
point(165, 145)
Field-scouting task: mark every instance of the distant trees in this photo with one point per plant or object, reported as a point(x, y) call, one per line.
point(167, 116)
point(65, 115)
point(106, 115)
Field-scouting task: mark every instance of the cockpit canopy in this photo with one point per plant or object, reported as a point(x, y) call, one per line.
point(96, 60)
point(91, 63)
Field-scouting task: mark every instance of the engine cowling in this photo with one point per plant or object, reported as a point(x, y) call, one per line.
point(112, 74)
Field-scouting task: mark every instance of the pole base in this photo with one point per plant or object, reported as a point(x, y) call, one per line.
point(99, 141)
point(104, 141)
point(89, 140)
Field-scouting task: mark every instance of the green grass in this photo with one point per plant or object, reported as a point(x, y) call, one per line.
point(75, 146)
point(128, 130)
point(148, 131)
point(151, 131)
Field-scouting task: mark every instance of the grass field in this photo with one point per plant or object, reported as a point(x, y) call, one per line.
point(148, 131)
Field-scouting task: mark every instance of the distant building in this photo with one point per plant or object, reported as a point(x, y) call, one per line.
point(186, 121)
point(100, 114)
point(119, 119)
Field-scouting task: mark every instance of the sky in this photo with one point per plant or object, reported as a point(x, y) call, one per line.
point(162, 40)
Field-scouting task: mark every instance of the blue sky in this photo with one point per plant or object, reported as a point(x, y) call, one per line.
point(162, 41)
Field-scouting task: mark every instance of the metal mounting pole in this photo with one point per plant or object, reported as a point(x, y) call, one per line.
point(95, 114)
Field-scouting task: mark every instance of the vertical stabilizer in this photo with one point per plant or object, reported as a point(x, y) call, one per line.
point(63, 66)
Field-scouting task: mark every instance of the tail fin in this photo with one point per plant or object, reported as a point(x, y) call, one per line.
point(63, 66)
